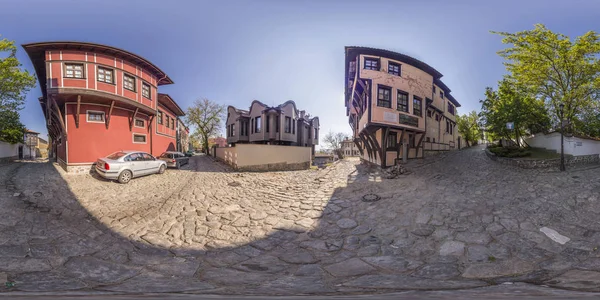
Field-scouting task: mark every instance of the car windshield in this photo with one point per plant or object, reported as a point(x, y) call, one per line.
point(116, 155)
point(165, 155)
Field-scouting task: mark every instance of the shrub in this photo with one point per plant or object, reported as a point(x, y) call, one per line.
point(498, 150)
point(521, 153)
point(510, 152)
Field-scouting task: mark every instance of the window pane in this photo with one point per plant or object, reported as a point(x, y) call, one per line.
point(129, 82)
point(402, 101)
point(383, 98)
point(391, 142)
point(417, 106)
point(95, 116)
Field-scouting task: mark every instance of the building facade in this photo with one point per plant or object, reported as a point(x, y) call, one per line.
point(279, 125)
point(349, 148)
point(442, 131)
point(99, 99)
point(218, 141)
point(322, 159)
point(43, 147)
point(183, 137)
point(392, 101)
point(31, 142)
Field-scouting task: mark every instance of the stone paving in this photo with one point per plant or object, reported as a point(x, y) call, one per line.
point(457, 221)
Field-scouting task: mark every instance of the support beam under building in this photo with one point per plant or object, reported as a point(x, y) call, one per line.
point(107, 120)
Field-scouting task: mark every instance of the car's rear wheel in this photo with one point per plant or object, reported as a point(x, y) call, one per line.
point(161, 169)
point(125, 176)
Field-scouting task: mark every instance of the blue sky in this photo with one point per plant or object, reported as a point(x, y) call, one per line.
point(235, 51)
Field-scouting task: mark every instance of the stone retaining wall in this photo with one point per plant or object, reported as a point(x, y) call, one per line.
point(265, 158)
point(8, 159)
point(82, 169)
point(544, 163)
point(429, 153)
point(274, 167)
point(76, 169)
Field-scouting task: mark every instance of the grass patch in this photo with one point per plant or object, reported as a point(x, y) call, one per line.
point(539, 153)
point(510, 152)
point(527, 153)
point(491, 259)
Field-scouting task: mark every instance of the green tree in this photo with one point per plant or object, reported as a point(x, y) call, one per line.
point(11, 129)
point(14, 85)
point(510, 103)
point(588, 122)
point(552, 67)
point(195, 141)
point(207, 117)
point(469, 128)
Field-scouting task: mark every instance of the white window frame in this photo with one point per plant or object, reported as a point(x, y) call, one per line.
point(145, 138)
point(149, 90)
point(87, 116)
point(112, 76)
point(83, 74)
point(134, 90)
point(139, 119)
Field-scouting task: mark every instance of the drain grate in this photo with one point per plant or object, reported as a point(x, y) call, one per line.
point(371, 198)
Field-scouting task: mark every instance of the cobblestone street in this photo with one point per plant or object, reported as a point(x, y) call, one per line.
point(456, 221)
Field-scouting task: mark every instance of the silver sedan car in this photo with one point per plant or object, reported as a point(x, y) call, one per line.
point(124, 165)
point(174, 159)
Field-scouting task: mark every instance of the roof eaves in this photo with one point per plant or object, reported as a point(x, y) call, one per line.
point(30, 48)
point(165, 99)
point(453, 100)
point(393, 55)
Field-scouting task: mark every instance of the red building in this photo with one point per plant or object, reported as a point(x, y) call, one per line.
point(99, 99)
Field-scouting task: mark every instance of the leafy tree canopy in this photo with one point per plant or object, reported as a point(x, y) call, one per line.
point(469, 127)
point(14, 85)
point(511, 104)
point(207, 116)
point(11, 129)
point(552, 67)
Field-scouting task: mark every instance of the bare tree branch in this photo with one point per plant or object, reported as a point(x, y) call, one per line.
point(207, 117)
point(333, 141)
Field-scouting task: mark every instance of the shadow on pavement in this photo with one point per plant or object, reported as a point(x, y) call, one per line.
point(208, 230)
